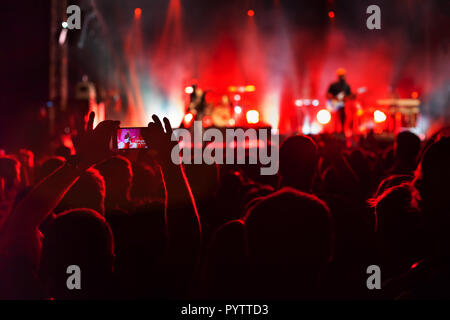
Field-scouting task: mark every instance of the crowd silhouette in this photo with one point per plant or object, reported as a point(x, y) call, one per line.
point(144, 227)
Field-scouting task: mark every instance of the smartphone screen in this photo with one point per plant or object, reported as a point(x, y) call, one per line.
point(130, 138)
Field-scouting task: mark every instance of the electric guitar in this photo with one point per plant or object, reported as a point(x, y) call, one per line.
point(338, 101)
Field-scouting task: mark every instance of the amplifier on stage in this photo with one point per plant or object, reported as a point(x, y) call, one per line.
point(403, 113)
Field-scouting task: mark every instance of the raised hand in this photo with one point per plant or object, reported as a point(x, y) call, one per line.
point(182, 219)
point(94, 144)
point(29, 213)
point(159, 140)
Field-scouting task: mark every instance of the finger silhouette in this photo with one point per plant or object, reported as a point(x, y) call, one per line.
point(90, 124)
point(167, 125)
point(157, 121)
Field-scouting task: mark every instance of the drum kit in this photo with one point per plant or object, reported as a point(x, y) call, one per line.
point(213, 114)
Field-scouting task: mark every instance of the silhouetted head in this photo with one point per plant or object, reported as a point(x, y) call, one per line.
point(291, 225)
point(298, 162)
point(331, 182)
point(118, 176)
point(255, 192)
point(87, 192)
point(289, 240)
point(79, 238)
point(433, 185)
point(392, 181)
point(398, 229)
point(341, 73)
point(232, 185)
point(49, 166)
point(63, 151)
point(393, 210)
point(10, 172)
point(358, 160)
point(407, 147)
point(147, 183)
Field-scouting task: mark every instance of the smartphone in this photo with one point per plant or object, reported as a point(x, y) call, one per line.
point(129, 139)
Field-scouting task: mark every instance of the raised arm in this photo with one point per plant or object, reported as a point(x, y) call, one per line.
point(181, 215)
point(21, 227)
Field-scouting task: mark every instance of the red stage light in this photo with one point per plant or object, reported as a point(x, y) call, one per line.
point(137, 12)
point(207, 121)
point(379, 116)
point(252, 116)
point(251, 13)
point(414, 95)
point(323, 116)
point(331, 14)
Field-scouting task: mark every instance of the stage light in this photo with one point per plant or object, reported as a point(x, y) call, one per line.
point(188, 118)
point(323, 116)
point(315, 128)
point(232, 88)
point(379, 116)
point(251, 13)
point(64, 24)
point(207, 121)
point(188, 90)
point(315, 102)
point(331, 14)
point(250, 88)
point(237, 109)
point(414, 95)
point(252, 116)
point(298, 102)
point(237, 97)
point(137, 13)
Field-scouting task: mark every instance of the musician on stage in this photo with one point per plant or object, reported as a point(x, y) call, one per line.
point(338, 93)
point(127, 140)
point(197, 105)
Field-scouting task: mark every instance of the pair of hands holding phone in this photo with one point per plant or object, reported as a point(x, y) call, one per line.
point(94, 144)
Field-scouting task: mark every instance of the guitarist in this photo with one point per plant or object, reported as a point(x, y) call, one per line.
point(338, 93)
point(197, 105)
